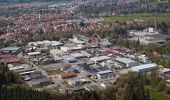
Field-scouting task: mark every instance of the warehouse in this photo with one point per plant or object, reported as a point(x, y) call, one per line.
point(78, 55)
point(75, 40)
point(57, 52)
point(105, 74)
point(78, 81)
point(11, 50)
point(45, 43)
point(70, 59)
point(34, 53)
point(126, 62)
point(88, 68)
point(145, 68)
point(40, 82)
point(65, 49)
point(99, 58)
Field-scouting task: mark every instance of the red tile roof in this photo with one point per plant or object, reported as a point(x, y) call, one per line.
point(68, 75)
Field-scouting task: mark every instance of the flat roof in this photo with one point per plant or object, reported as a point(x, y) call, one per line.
point(41, 80)
point(11, 48)
point(69, 58)
point(99, 58)
point(125, 60)
point(105, 42)
point(7, 56)
point(144, 66)
point(15, 68)
point(104, 72)
point(33, 53)
point(65, 49)
point(75, 40)
point(28, 72)
point(77, 55)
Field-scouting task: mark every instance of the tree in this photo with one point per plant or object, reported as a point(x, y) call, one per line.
point(167, 64)
point(154, 79)
point(135, 89)
point(167, 91)
point(161, 86)
point(82, 23)
point(162, 62)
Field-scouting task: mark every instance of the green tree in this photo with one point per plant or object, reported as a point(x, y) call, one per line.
point(161, 86)
point(167, 64)
point(135, 89)
point(167, 91)
point(162, 62)
point(154, 79)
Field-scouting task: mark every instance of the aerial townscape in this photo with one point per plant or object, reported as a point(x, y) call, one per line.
point(84, 49)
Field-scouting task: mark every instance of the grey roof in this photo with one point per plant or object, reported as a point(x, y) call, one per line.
point(77, 55)
point(144, 66)
point(105, 42)
point(125, 60)
point(72, 69)
point(11, 48)
point(24, 70)
point(105, 72)
point(35, 76)
point(41, 80)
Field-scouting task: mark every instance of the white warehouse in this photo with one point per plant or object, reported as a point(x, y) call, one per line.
point(126, 62)
point(145, 68)
point(108, 74)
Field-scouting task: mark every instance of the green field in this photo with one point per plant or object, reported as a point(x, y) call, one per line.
point(157, 95)
point(146, 16)
point(54, 72)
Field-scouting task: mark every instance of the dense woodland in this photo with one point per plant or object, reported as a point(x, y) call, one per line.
point(94, 10)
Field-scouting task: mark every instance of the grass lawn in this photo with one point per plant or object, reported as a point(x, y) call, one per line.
point(147, 16)
point(54, 72)
point(157, 95)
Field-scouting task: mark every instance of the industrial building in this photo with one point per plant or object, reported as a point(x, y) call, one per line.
point(88, 68)
point(33, 53)
point(99, 58)
point(149, 35)
point(126, 62)
point(78, 55)
point(11, 50)
point(77, 41)
point(45, 43)
point(105, 74)
point(40, 82)
point(70, 59)
point(145, 68)
point(78, 81)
